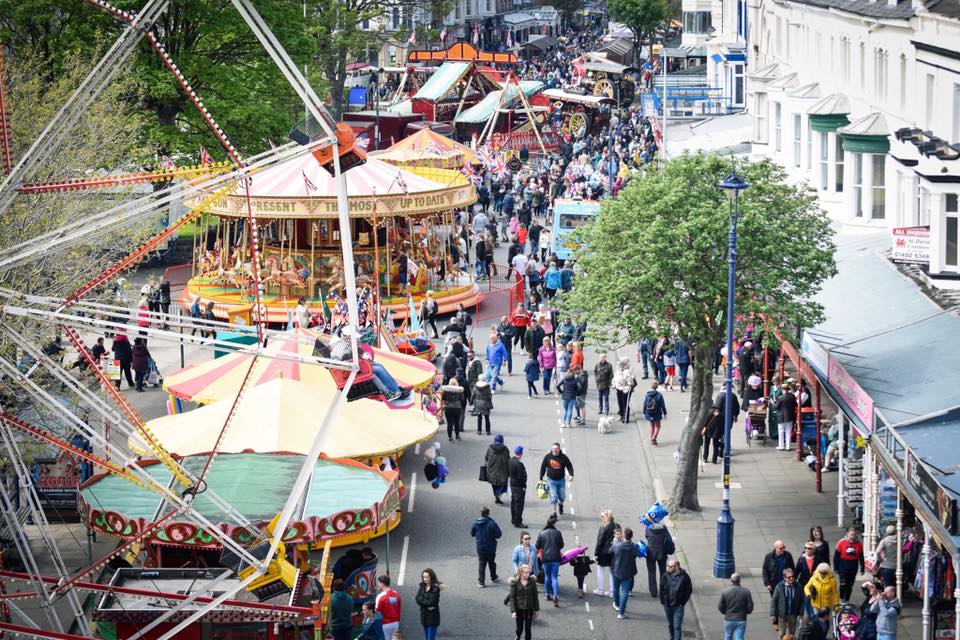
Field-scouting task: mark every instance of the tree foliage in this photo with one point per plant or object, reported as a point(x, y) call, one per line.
point(642, 17)
point(655, 261)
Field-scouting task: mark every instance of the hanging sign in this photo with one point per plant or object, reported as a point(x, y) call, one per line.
point(910, 245)
point(935, 497)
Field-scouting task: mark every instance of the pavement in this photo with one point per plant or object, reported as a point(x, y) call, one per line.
point(773, 497)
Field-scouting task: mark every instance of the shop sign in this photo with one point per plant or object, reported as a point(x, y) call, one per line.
point(528, 140)
point(851, 392)
point(910, 245)
point(815, 354)
point(937, 499)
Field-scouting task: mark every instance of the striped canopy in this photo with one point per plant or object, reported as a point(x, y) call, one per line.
point(427, 148)
point(222, 377)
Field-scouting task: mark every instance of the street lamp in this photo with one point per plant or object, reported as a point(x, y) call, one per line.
point(724, 563)
point(614, 123)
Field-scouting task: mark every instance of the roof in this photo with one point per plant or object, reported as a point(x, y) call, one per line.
point(784, 82)
point(541, 42)
point(620, 46)
point(872, 124)
point(443, 80)
point(482, 111)
point(767, 72)
point(808, 91)
point(949, 8)
point(870, 8)
point(518, 17)
point(607, 66)
point(833, 104)
point(883, 330)
point(426, 144)
point(560, 94)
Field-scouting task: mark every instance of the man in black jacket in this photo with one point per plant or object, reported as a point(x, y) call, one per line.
point(556, 465)
point(714, 428)
point(774, 564)
point(675, 591)
point(786, 604)
point(518, 487)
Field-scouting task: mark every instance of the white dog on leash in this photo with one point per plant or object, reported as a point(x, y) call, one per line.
point(605, 424)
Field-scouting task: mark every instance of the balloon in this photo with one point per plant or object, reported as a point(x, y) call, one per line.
point(642, 549)
point(654, 514)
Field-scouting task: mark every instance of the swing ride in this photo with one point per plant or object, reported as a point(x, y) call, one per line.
point(158, 501)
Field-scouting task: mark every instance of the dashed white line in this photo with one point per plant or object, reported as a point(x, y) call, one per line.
point(416, 449)
point(576, 539)
point(587, 605)
point(590, 622)
point(573, 523)
point(403, 560)
point(563, 441)
point(573, 511)
point(413, 492)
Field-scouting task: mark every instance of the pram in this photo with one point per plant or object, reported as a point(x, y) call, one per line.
point(845, 623)
point(755, 425)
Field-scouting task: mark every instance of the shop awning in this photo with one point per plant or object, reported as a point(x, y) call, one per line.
point(541, 43)
point(442, 81)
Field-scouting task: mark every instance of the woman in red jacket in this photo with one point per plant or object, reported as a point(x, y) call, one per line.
point(520, 319)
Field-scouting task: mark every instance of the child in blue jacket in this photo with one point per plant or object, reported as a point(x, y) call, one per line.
point(532, 370)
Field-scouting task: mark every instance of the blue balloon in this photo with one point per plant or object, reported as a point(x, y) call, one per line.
point(654, 514)
point(642, 549)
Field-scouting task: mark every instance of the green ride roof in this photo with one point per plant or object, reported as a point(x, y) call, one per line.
point(445, 78)
point(482, 111)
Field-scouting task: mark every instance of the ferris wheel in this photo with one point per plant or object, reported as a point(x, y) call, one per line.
point(257, 549)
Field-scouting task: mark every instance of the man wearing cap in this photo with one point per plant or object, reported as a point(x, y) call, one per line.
point(518, 487)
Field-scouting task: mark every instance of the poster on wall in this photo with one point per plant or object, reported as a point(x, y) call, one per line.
point(910, 245)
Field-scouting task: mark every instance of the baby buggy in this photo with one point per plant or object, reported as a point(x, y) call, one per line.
point(755, 424)
point(154, 377)
point(845, 623)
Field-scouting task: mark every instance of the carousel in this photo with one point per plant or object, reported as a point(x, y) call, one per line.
point(402, 225)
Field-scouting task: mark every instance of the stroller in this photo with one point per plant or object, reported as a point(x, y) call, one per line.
point(154, 377)
point(755, 424)
point(845, 623)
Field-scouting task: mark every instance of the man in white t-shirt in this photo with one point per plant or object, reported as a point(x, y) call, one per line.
point(519, 263)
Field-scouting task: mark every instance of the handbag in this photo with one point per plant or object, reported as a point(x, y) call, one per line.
point(542, 492)
point(483, 473)
point(669, 546)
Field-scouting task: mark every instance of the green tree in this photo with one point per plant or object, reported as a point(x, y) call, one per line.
point(655, 261)
point(642, 17)
point(567, 9)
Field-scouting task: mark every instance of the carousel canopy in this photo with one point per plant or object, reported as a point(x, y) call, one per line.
point(343, 497)
point(427, 148)
point(443, 80)
point(284, 416)
point(222, 377)
point(300, 188)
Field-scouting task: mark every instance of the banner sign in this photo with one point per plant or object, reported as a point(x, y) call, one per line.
point(528, 140)
point(910, 245)
point(852, 393)
point(937, 499)
point(815, 354)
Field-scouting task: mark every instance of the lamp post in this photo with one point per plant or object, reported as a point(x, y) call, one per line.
point(375, 80)
point(612, 162)
point(724, 563)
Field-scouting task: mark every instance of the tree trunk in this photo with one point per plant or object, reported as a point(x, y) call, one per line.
point(684, 494)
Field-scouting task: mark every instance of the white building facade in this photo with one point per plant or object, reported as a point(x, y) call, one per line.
point(861, 99)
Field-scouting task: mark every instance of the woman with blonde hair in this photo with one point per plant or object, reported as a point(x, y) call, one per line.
point(822, 589)
point(623, 383)
point(523, 600)
point(603, 554)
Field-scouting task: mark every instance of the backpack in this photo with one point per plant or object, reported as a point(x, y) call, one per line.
point(809, 631)
point(651, 406)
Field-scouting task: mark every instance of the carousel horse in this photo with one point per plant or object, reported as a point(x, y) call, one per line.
point(282, 278)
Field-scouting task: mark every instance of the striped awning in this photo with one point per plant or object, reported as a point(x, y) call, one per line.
point(482, 111)
point(443, 80)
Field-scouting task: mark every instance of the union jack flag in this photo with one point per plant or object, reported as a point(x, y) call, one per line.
point(473, 177)
point(205, 157)
point(485, 156)
point(434, 148)
point(500, 168)
point(168, 164)
point(401, 182)
point(307, 182)
point(273, 147)
point(363, 140)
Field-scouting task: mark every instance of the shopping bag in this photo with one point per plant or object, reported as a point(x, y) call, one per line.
point(483, 473)
point(542, 492)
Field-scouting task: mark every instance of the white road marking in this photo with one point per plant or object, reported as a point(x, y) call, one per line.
point(573, 523)
point(576, 539)
point(562, 441)
point(403, 560)
point(590, 622)
point(572, 512)
point(416, 448)
point(587, 605)
point(733, 485)
point(413, 492)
